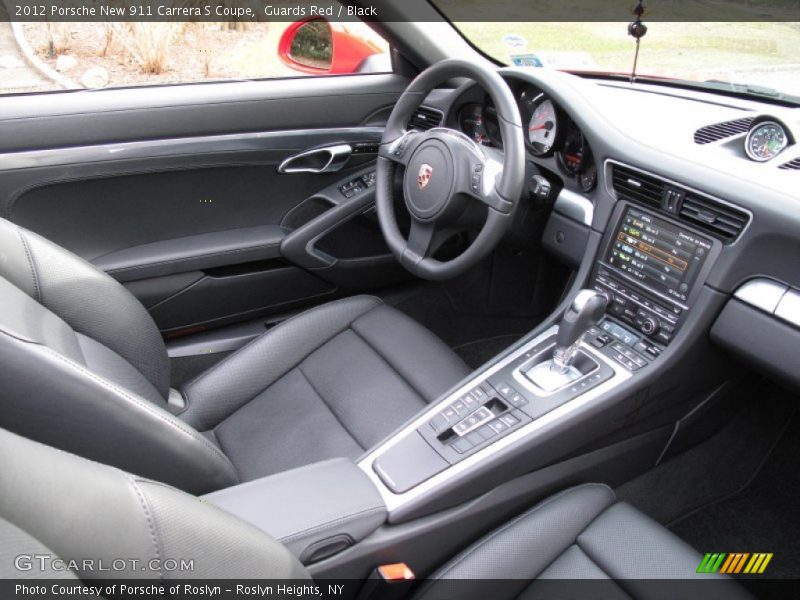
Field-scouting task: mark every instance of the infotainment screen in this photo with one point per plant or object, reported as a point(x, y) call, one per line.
point(662, 256)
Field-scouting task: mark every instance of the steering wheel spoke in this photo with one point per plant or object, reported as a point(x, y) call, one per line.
point(400, 150)
point(421, 240)
point(479, 182)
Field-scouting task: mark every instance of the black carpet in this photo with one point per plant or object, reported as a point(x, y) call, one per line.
point(765, 517)
point(720, 466)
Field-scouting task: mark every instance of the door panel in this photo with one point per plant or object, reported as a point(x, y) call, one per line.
point(180, 197)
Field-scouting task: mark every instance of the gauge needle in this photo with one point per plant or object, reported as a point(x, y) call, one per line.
point(548, 125)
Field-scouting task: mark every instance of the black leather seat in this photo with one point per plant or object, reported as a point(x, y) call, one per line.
point(84, 368)
point(580, 543)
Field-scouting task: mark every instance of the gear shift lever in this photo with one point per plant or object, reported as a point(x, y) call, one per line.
point(587, 308)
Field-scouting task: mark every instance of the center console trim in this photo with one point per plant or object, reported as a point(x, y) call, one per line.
point(394, 501)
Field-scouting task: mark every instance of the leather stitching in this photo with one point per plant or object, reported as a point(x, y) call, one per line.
point(150, 523)
point(513, 522)
point(37, 291)
point(198, 438)
point(391, 366)
point(328, 406)
point(332, 523)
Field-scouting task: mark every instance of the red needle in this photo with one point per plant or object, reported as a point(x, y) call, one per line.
point(538, 127)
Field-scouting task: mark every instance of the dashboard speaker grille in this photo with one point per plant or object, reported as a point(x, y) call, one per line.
point(425, 118)
point(637, 186)
point(720, 220)
point(720, 131)
point(792, 164)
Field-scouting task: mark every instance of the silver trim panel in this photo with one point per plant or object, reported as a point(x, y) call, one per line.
point(337, 156)
point(772, 297)
point(394, 501)
point(762, 293)
point(789, 308)
point(574, 206)
point(213, 144)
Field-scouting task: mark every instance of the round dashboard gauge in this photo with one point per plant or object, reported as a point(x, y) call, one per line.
point(543, 127)
point(765, 140)
point(574, 157)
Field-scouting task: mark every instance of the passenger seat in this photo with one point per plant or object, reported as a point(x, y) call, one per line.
point(55, 502)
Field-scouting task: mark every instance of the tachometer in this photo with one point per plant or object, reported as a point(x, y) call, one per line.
point(765, 140)
point(543, 127)
point(470, 119)
point(573, 157)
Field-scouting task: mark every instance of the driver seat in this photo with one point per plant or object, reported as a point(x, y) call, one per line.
point(83, 368)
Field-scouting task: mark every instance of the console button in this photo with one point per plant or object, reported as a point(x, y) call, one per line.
point(460, 407)
point(461, 446)
point(649, 326)
point(450, 414)
point(439, 423)
point(486, 432)
point(509, 420)
point(473, 421)
point(479, 395)
point(474, 438)
point(663, 337)
point(505, 390)
point(498, 426)
point(470, 402)
point(517, 400)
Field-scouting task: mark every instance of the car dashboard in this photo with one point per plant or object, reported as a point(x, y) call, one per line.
point(684, 191)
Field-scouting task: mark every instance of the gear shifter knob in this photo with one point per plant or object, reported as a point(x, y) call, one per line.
point(587, 308)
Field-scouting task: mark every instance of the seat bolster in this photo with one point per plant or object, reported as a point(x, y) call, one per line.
point(79, 411)
point(81, 509)
point(87, 299)
point(227, 386)
point(425, 362)
point(630, 546)
point(525, 546)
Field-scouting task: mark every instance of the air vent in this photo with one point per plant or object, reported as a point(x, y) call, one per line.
point(426, 118)
point(720, 131)
point(633, 185)
point(720, 220)
point(792, 164)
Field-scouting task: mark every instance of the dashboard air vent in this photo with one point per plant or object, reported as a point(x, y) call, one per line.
point(637, 186)
point(792, 164)
point(425, 118)
point(720, 131)
point(720, 220)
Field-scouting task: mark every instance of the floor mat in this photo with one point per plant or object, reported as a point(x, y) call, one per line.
point(723, 465)
point(765, 517)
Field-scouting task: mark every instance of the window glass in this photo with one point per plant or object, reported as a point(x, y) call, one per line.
point(45, 56)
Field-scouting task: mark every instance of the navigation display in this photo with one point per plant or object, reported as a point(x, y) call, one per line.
point(662, 256)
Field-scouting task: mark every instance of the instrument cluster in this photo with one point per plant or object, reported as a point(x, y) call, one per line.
point(549, 133)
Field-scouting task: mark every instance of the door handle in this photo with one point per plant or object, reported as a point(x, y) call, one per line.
point(318, 160)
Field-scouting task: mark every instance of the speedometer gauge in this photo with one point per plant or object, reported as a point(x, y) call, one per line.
point(543, 128)
point(765, 140)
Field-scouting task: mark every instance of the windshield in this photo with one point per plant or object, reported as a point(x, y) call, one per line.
point(752, 55)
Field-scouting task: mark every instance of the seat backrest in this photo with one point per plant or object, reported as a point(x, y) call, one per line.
point(83, 367)
point(61, 506)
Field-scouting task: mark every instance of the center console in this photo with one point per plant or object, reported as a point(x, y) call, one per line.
point(648, 271)
point(648, 274)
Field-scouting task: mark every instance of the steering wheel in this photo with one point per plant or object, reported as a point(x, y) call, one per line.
point(446, 172)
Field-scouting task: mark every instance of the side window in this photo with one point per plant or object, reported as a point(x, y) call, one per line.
point(48, 56)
